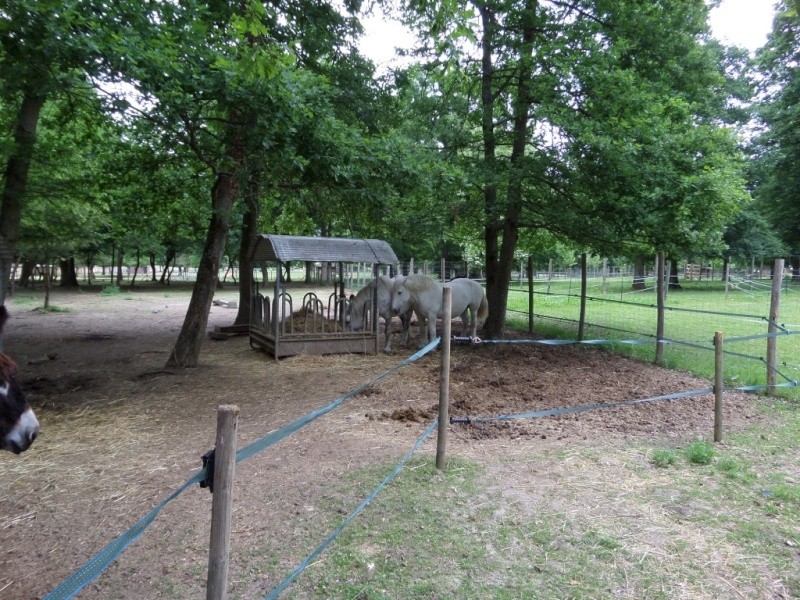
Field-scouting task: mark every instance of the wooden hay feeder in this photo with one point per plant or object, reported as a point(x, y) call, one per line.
point(283, 325)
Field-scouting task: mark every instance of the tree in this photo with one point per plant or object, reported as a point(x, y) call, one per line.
point(46, 48)
point(777, 150)
point(227, 88)
point(599, 121)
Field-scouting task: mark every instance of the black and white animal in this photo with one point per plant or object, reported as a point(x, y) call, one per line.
point(18, 425)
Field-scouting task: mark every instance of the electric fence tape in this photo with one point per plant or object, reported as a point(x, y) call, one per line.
point(70, 587)
point(298, 570)
point(554, 412)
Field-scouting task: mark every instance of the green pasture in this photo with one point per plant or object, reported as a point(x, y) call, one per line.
point(693, 315)
point(692, 520)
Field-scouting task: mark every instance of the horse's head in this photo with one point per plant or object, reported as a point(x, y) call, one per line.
point(354, 317)
point(18, 425)
point(401, 297)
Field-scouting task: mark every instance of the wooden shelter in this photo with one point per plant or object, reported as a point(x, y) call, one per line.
point(283, 325)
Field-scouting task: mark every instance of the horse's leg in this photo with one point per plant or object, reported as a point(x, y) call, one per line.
point(423, 329)
point(465, 322)
point(406, 321)
point(473, 313)
point(431, 329)
point(387, 348)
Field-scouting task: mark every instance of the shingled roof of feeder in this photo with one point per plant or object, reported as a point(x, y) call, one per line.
point(321, 249)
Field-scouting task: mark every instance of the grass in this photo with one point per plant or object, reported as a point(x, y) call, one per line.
point(111, 290)
point(664, 457)
point(700, 452)
point(600, 522)
point(53, 309)
point(693, 315)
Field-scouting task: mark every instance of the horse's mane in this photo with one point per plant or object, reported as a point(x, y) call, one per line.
point(8, 367)
point(364, 292)
point(419, 283)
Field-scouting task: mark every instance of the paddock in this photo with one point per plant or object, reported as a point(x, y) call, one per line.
point(119, 435)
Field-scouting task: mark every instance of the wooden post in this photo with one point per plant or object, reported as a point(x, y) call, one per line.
point(222, 502)
point(660, 295)
point(442, 271)
point(530, 294)
point(605, 275)
point(411, 266)
point(718, 371)
point(444, 376)
point(727, 275)
point(772, 328)
point(582, 318)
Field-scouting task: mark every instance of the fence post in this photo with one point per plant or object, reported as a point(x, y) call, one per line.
point(582, 318)
point(530, 293)
point(718, 372)
point(605, 275)
point(772, 328)
point(222, 502)
point(444, 376)
point(660, 295)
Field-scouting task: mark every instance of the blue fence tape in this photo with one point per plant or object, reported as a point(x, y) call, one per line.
point(757, 336)
point(554, 412)
point(279, 434)
point(70, 587)
point(758, 388)
point(100, 562)
point(298, 570)
point(555, 342)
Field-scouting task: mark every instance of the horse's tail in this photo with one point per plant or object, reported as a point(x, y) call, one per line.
point(483, 309)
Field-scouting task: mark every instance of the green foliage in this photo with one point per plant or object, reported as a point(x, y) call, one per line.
point(777, 153)
point(111, 290)
point(700, 452)
point(51, 308)
point(663, 457)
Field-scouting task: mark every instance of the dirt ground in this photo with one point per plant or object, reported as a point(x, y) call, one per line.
point(119, 434)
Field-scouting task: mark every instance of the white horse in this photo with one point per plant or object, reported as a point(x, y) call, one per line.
point(423, 295)
point(359, 305)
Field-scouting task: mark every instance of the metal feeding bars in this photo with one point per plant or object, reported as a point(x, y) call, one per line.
point(285, 325)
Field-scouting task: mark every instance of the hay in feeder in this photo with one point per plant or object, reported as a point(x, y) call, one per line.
point(308, 320)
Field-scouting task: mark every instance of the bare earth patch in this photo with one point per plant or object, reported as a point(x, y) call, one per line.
point(119, 435)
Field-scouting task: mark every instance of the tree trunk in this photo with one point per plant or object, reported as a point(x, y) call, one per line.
point(187, 348)
point(89, 268)
point(495, 320)
point(46, 282)
point(169, 256)
point(136, 268)
point(26, 276)
point(120, 256)
point(638, 274)
point(249, 231)
point(69, 278)
point(16, 176)
point(153, 276)
point(674, 282)
point(287, 278)
point(497, 285)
